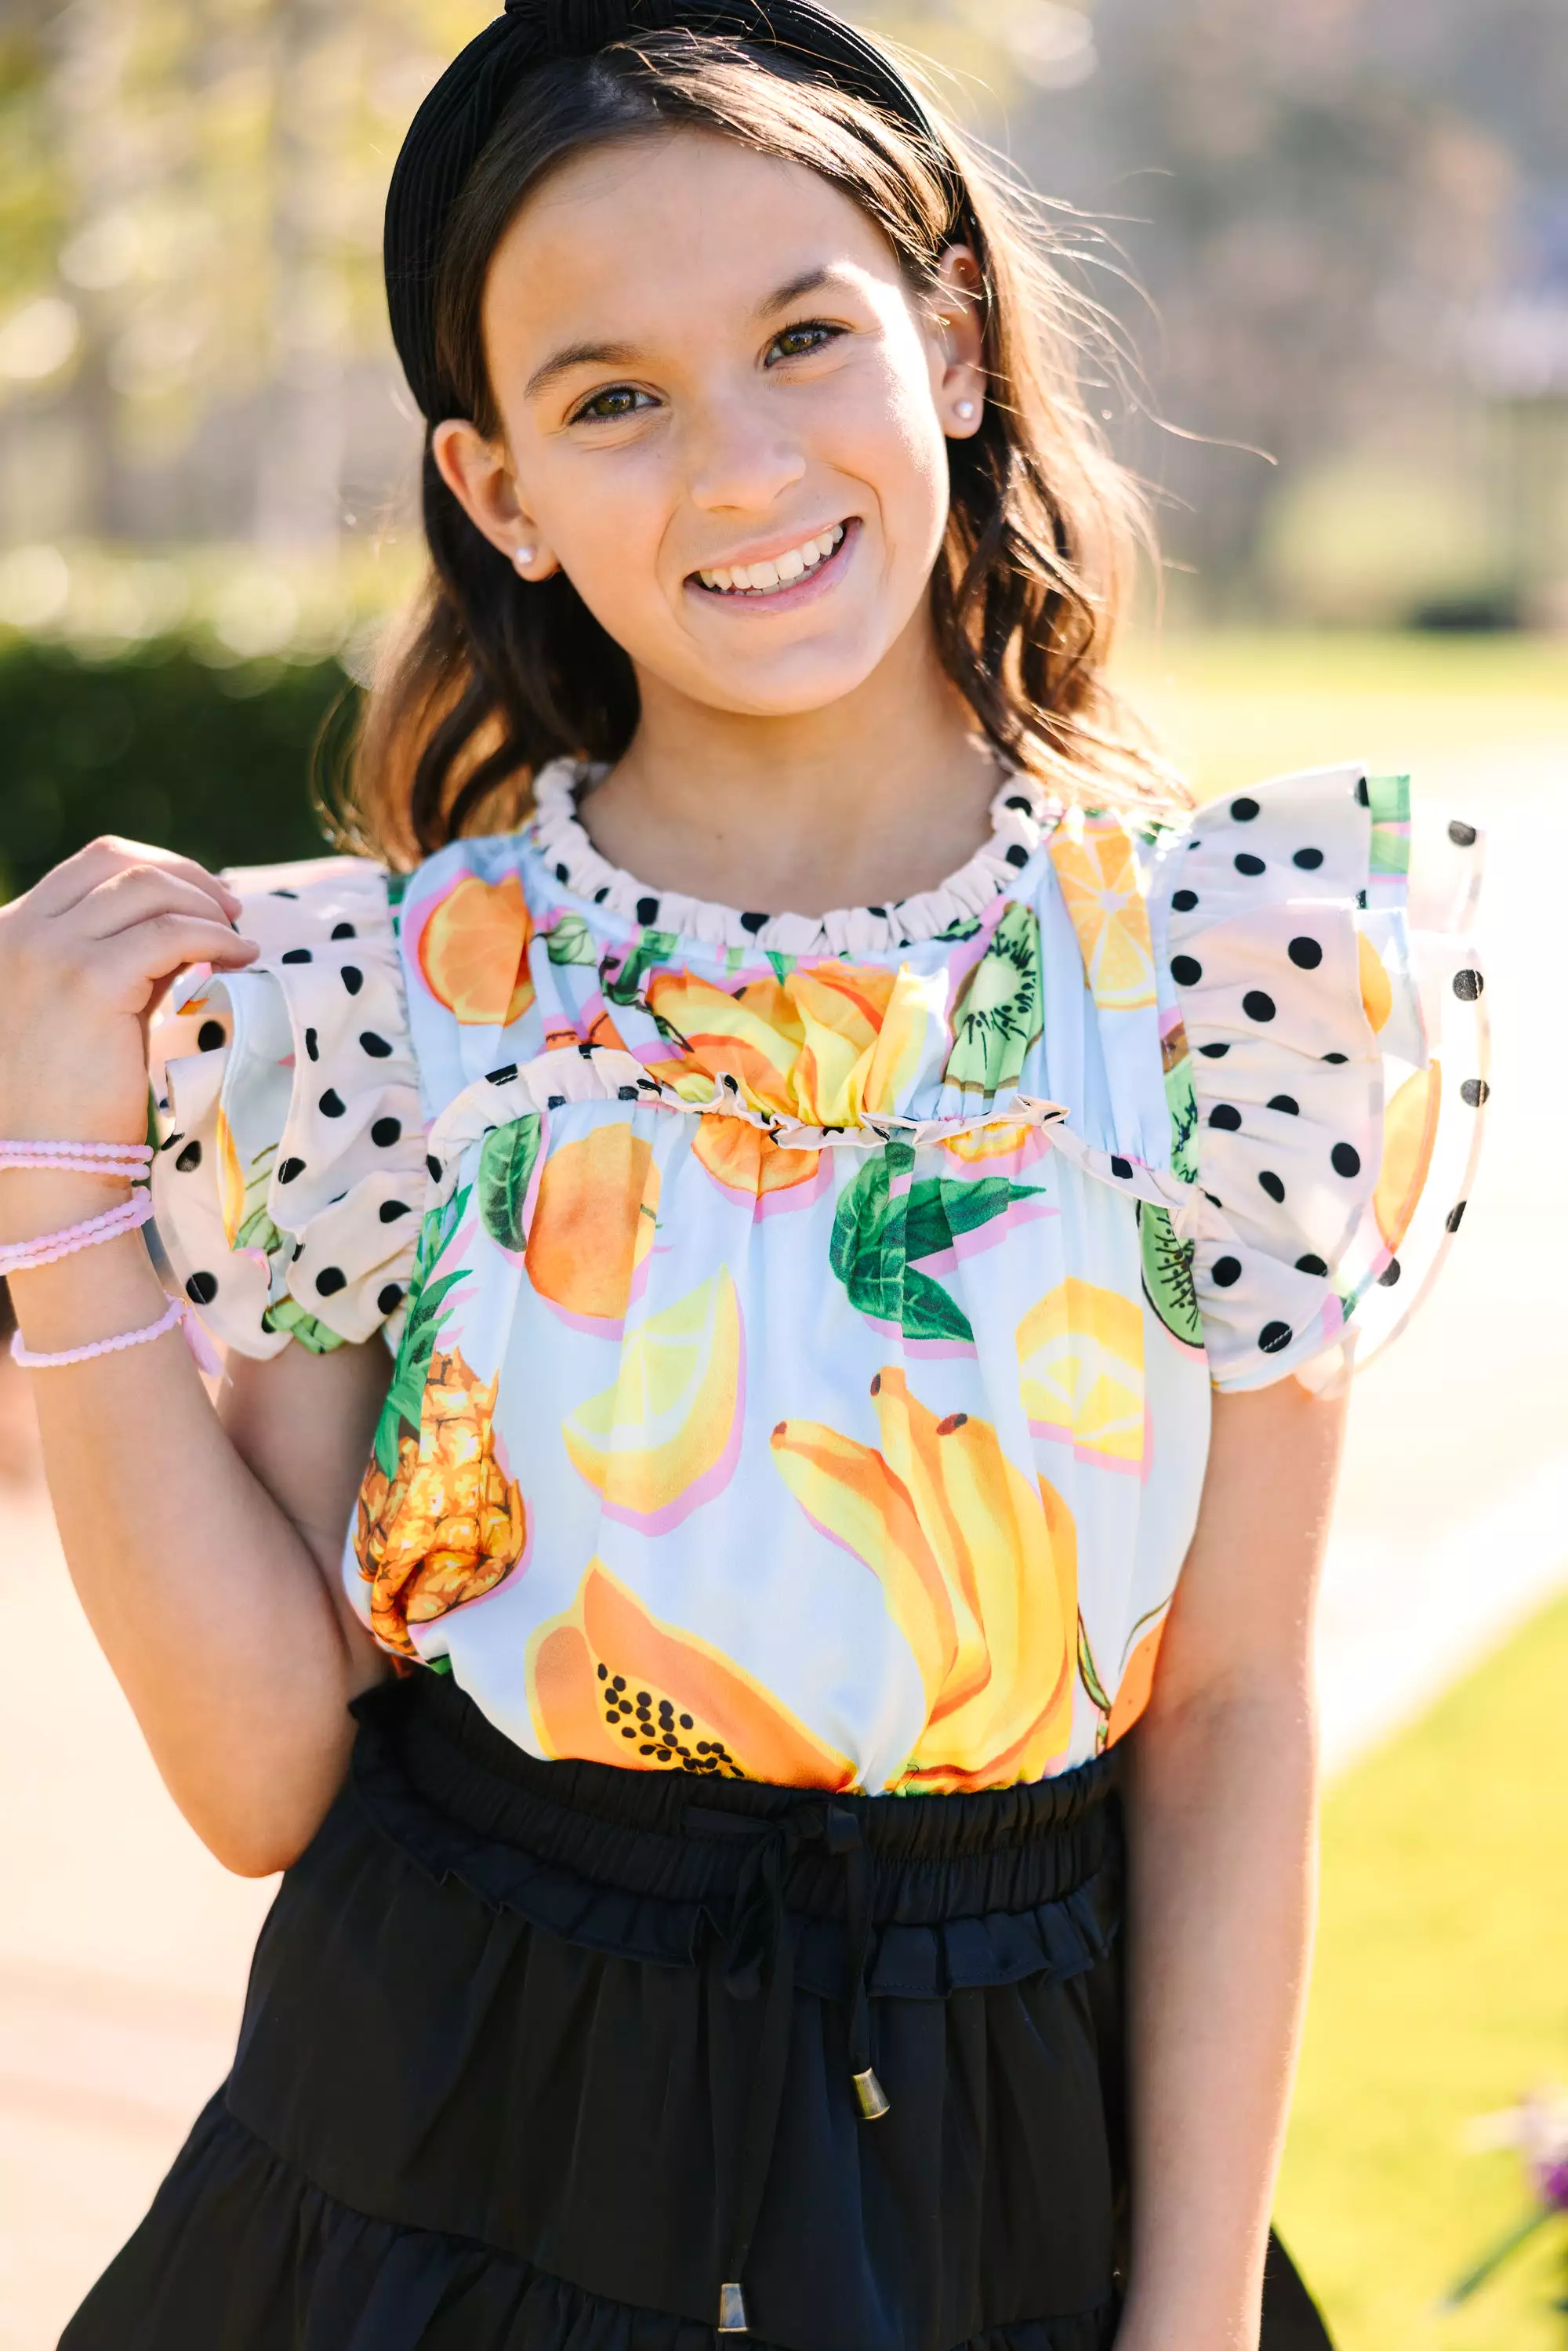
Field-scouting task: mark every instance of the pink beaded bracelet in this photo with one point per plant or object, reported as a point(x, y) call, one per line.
point(128, 1160)
point(22, 1256)
point(175, 1312)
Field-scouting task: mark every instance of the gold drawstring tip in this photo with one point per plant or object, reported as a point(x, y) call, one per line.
point(731, 2310)
point(873, 2099)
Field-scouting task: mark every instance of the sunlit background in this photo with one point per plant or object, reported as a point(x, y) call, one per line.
point(1331, 239)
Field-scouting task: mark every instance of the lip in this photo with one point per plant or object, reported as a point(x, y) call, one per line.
point(804, 590)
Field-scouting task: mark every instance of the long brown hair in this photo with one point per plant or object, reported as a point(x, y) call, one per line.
point(489, 677)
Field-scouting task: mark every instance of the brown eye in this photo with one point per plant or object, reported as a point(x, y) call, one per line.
point(798, 342)
point(608, 407)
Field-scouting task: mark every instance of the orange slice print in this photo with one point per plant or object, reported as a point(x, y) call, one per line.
point(474, 952)
point(608, 1683)
point(593, 1221)
point(1097, 870)
point(746, 1159)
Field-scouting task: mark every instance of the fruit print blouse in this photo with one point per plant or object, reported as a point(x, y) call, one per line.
point(804, 1330)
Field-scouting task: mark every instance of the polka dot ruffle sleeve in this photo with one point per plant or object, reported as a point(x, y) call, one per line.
point(1314, 942)
point(288, 1181)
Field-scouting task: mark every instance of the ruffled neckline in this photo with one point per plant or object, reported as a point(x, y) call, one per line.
point(1021, 817)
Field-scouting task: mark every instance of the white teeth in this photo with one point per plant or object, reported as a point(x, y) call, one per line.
point(766, 579)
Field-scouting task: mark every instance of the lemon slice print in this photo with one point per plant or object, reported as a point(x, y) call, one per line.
point(1081, 1361)
point(664, 1437)
point(1097, 872)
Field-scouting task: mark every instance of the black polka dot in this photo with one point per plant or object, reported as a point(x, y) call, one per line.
point(601, 894)
point(1462, 835)
point(1390, 1273)
point(433, 1168)
point(1018, 855)
point(647, 910)
point(330, 1281)
point(1310, 1263)
point(1345, 1160)
point(1361, 900)
point(1184, 901)
point(343, 930)
point(1122, 1167)
point(1214, 1052)
point(1363, 797)
point(190, 1159)
point(1185, 970)
point(1273, 1336)
point(352, 977)
point(1250, 866)
point(391, 1210)
point(290, 1170)
point(1214, 1199)
point(385, 1132)
point(880, 912)
point(1243, 810)
point(1474, 1092)
point(1456, 1215)
point(1305, 954)
point(503, 1076)
point(1272, 1184)
point(331, 1103)
point(563, 872)
point(1467, 985)
point(754, 923)
point(210, 1036)
point(312, 1050)
point(389, 1299)
point(1286, 1102)
point(1227, 1271)
point(555, 1101)
point(1257, 1006)
point(283, 893)
point(1309, 860)
point(376, 1047)
point(1338, 1060)
point(1227, 1117)
point(625, 1093)
point(200, 1289)
point(295, 954)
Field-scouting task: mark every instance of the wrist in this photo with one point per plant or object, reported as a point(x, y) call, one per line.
point(94, 1294)
point(38, 1200)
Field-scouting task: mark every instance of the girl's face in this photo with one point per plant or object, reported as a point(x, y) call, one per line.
point(724, 416)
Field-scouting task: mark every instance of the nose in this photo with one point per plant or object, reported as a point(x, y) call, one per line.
point(740, 461)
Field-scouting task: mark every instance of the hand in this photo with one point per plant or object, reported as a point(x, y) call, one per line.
point(84, 960)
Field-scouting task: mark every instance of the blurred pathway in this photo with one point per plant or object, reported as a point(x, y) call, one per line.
point(123, 1947)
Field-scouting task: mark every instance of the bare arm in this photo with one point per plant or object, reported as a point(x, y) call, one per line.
point(204, 1546)
point(1222, 1828)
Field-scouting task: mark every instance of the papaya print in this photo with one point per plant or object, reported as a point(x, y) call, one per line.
point(746, 1159)
point(1409, 1138)
point(449, 1523)
point(828, 1044)
point(979, 1566)
point(474, 952)
point(663, 1439)
point(593, 1222)
point(887, 1221)
point(997, 1017)
point(1096, 864)
point(1081, 1373)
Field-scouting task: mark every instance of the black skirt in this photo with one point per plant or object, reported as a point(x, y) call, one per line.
point(553, 2057)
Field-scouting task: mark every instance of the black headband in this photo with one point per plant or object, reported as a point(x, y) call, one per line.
point(446, 135)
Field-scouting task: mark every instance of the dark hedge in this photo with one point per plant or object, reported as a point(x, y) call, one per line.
point(218, 763)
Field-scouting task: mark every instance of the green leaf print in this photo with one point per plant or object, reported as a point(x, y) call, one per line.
point(289, 1316)
point(1168, 1275)
point(422, 1323)
point(998, 1016)
point(625, 986)
point(569, 940)
point(506, 1169)
point(880, 1236)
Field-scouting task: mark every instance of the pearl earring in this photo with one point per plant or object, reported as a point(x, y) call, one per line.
point(964, 410)
point(523, 556)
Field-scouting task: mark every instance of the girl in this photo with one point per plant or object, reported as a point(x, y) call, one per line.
point(847, 1205)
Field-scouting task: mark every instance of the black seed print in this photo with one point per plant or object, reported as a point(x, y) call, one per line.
point(331, 1280)
point(343, 931)
point(389, 1299)
point(312, 1050)
point(295, 954)
point(1250, 866)
point(1467, 985)
point(647, 910)
point(1183, 902)
point(1273, 1184)
point(1463, 836)
point(210, 1036)
point(1473, 1092)
point(391, 1210)
point(1390, 1274)
point(1273, 1336)
point(754, 923)
point(1287, 1104)
point(332, 1104)
point(376, 1047)
point(1456, 1215)
point(1310, 1263)
point(604, 1673)
point(1309, 860)
point(1185, 970)
point(352, 977)
point(1305, 954)
point(1345, 1160)
point(385, 1132)
point(1227, 1271)
point(190, 1159)
point(1257, 1006)
point(200, 1289)
point(1225, 1117)
point(290, 1170)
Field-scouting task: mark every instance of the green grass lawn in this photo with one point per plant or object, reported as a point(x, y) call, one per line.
point(1440, 1993)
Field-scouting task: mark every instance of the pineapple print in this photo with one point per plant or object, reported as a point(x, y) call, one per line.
point(449, 1523)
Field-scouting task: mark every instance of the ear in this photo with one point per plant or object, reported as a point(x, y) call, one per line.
point(480, 477)
point(958, 375)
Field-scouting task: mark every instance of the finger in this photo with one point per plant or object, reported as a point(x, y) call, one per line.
point(130, 967)
point(69, 881)
point(135, 894)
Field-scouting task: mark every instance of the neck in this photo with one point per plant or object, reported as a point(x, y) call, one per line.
point(869, 800)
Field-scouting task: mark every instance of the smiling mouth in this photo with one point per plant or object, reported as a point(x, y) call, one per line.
point(780, 572)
